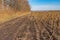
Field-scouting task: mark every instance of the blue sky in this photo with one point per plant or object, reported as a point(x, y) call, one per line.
point(44, 4)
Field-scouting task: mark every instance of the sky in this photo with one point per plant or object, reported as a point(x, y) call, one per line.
point(44, 5)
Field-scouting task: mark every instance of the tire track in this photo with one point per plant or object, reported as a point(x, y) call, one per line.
point(7, 31)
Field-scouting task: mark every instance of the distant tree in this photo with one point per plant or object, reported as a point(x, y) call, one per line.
point(20, 5)
point(12, 3)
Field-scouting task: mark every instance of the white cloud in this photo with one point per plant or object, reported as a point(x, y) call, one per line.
point(45, 7)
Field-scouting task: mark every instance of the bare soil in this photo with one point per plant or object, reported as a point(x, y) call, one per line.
point(35, 26)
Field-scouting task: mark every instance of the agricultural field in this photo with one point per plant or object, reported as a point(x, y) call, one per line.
point(32, 26)
point(49, 23)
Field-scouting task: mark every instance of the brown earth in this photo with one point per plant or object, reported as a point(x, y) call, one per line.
point(35, 26)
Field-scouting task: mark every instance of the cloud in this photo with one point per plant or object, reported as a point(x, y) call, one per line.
point(45, 7)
